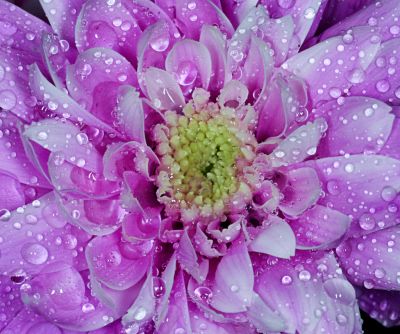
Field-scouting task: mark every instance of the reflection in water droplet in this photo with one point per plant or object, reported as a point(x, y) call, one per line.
point(34, 253)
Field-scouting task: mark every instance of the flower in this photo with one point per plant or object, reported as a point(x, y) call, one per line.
point(199, 166)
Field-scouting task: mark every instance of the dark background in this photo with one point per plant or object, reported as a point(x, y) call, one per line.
point(370, 325)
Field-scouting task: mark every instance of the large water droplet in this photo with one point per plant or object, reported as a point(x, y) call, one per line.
point(186, 73)
point(34, 253)
point(388, 194)
point(367, 222)
point(140, 314)
point(203, 293)
point(341, 290)
point(8, 100)
point(158, 287)
point(5, 215)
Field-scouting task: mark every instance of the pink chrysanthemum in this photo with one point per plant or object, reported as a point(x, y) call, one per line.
point(201, 166)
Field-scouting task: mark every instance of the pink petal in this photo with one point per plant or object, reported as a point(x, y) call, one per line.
point(190, 63)
point(334, 65)
point(356, 125)
point(301, 191)
point(213, 39)
point(62, 16)
point(60, 103)
point(111, 267)
point(107, 25)
point(234, 279)
point(320, 227)
point(372, 261)
point(328, 307)
point(361, 186)
point(299, 145)
point(64, 138)
point(163, 90)
point(11, 192)
point(94, 79)
point(275, 238)
point(36, 236)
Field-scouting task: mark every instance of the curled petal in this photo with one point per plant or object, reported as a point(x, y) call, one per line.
point(163, 90)
point(234, 279)
point(276, 239)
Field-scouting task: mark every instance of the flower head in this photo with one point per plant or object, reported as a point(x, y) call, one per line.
point(199, 166)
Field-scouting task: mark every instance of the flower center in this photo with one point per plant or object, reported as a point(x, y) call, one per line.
point(202, 152)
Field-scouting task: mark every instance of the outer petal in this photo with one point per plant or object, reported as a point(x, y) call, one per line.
point(11, 192)
point(234, 279)
point(36, 236)
point(380, 16)
point(94, 79)
point(190, 62)
point(65, 300)
point(62, 16)
point(334, 65)
point(301, 191)
point(372, 261)
point(328, 307)
point(299, 145)
point(60, 103)
point(12, 153)
point(361, 186)
point(163, 90)
point(66, 139)
point(276, 239)
point(355, 125)
point(320, 227)
point(384, 82)
point(108, 25)
point(381, 305)
point(110, 266)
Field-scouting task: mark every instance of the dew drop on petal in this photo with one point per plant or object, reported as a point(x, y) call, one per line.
point(5, 215)
point(34, 253)
point(286, 280)
point(367, 222)
point(388, 194)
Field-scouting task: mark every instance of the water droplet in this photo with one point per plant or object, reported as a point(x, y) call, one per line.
point(333, 187)
point(340, 290)
point(309, 13)
point(31, 219)
point(382, 86)
point(8, 100)
point(304, 275)
point(5, 215)
point(394, 30)
point(367, 222)
point(234, 288)
point(368, 284)
point(114, 258)
point(140, 314)
point(203, 293)
point(388, 194)
point(158, 287)
point(88, 307)
point(84, 71)
point(42, 135)
point(82, 138)
point(355, 76)
point(349, 168)
point(341, 319)
point(379, 273)
point(34, 253)
point(191, 5)
point(286, 280)
point(186, 73)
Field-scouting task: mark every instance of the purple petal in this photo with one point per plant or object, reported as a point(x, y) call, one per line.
point(381, 305)
point(190, 63)
point(382, 18)
point(391, 146)
point(177, 318)
point(11, 192)
point(66, 139)
point(320, 227)
point(192, 18)
point(62, 16)
point(364, 187)
point(60, 103)
point(263, 318)
point(301, 191)
point(275, 238)
point(163, 90)
point(328, 307)
point(112, 268)
point(383, 76)
point(187, 258)
point(36, 236)
point(11, 300)
point(108, 25)
point(299, 145)
point(204, 245)
point(234, 279)
point(65, 300)
point(94, 79)
point(355, 125)
point(214, 40)
point(130, 114)
point(12, 154)
point(334, 65)
point(371, 261)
